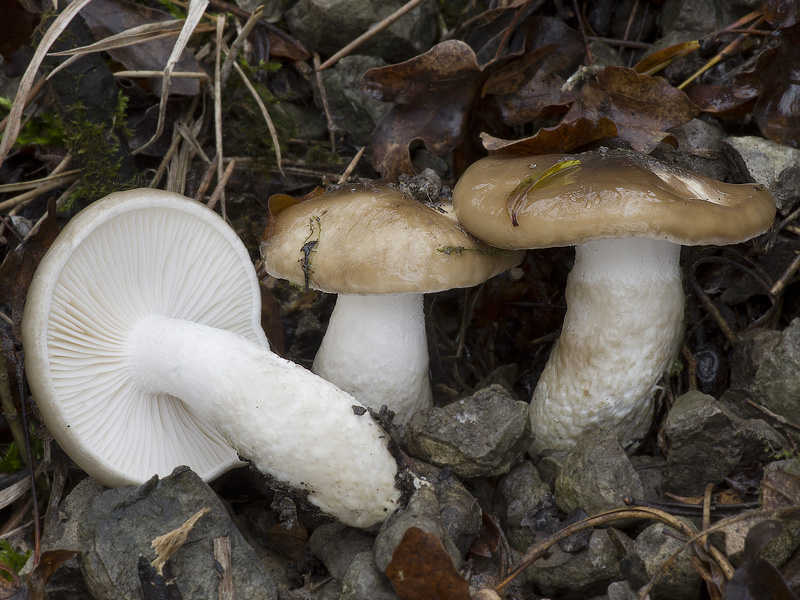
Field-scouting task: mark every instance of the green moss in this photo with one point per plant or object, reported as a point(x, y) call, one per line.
point(43, 128)
point(96, 147)
point(317, 154)
point(12, 558)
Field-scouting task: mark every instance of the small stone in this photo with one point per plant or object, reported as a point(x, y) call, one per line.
point(518, 494)
point(119, 527)
point(700, 426)
point(353, 111)
point(326, 26)
point(597, 475)
point(364, 581)
point(776, 384)
point(460, 512)
point(651, 549)
point(480, 436)
point(422, 511)
point(748, 355)
point(336, 545)
point(587, 572)
point(772, 164)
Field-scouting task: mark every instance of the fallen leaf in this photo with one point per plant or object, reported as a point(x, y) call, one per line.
point(49, 562)
point(641, 106)
point(564, 137)
point(421, 569)
point(433, 95)
point(16, 26)
point(757, 578)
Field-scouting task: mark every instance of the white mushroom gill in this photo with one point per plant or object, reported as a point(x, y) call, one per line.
point(144, 351)
point(623, 327)
point(375, 348)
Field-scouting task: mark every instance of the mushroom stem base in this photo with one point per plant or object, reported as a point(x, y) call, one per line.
point(376, 349)
point(622, 329)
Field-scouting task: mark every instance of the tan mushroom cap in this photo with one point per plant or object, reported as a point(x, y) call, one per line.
point(373, 239)
point(614, 194)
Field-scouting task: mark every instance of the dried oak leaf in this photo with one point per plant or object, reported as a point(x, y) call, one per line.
point(564, 137)
point(433, 94)
point(641, 106)
point(538, 88)
point(774, 76)
point(19, 265)
point(421, 568)
point(757, 578)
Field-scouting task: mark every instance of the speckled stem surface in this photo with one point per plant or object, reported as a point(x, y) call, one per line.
point(375, 348)
point(288, 422)
point(622, 329)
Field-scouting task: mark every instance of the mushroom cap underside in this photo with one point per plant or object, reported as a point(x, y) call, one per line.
point(611, 193)
point(373, 239)
point(127, 256)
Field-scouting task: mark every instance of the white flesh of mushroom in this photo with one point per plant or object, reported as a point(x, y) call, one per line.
point(622, 329)
point(376, 349)
point(144, 352)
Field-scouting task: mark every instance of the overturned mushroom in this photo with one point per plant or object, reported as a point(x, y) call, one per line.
point(380, 250)
point(144, 352)
point(627, 214)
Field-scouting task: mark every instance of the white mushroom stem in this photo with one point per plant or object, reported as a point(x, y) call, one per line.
point(290, 423)
point(375, 348)
point(622, 329)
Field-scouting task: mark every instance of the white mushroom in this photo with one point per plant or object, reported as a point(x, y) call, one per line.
point(144, 351)
point(381, 251)
point(627, 214)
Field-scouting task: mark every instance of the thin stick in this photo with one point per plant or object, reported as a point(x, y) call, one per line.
point(175, 75)
point(270, 125)
point(378, 27)
point(219, 190)
point(787, 274)
point(42, 189)
point(218, 109)
point(323, 95)
point(352, 166)
point(239, 42)
point(207, 177)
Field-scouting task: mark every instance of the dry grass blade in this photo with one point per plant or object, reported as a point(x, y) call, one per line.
point(51, 184)
point(130, 37)
point(194, 14)
point(15, 116)
point(218, 106)
point(270, 125)
point(34, 183)
point(238, 43)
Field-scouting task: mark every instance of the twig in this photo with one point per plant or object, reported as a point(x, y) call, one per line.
point(373, 30)
point(787, 274)
point(270, 125)
point(352, 166)
point(219, 190)
point(222, 554)
point(326, 108)
point(218, 109)
point(238, 43)
point(206, 180)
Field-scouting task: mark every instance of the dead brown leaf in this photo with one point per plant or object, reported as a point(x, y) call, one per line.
point(565, 137)
point(421, 568)
point(757, 578)
point(433, 95)
point(49, 562)
point(641, 106)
